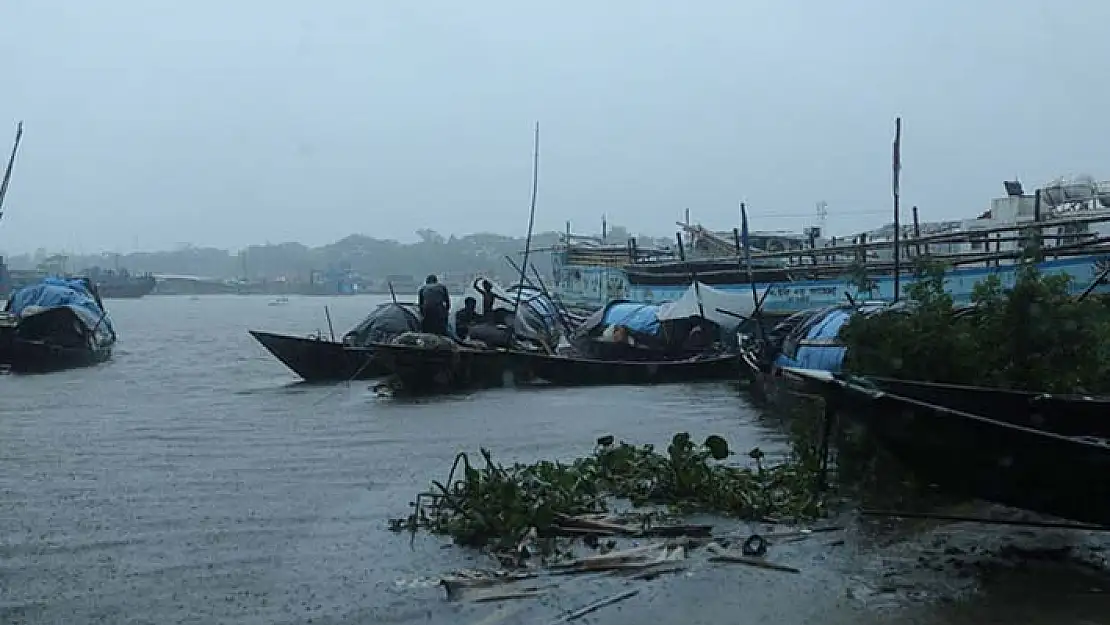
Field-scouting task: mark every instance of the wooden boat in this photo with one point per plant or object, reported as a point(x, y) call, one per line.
point(316, 359)
point(974, 455)
point(427, 362)
point(569, 370)
point(53, 325)
point(1069, 415)
point(687, 340)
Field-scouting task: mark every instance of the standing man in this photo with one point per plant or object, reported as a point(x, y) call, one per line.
point(435, 303)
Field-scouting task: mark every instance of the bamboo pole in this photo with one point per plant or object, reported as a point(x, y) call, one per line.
point(10, 166)
point(531, 225)
point(897, 173)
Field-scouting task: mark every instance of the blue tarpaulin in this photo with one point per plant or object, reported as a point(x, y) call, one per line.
point(820, 347)
point(641, 318)
point(57, 292)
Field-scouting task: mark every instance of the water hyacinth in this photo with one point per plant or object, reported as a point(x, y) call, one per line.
point(497, 507)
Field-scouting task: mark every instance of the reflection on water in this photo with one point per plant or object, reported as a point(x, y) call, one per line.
point(193, 479)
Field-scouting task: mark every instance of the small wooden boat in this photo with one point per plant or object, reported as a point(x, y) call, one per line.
point(316, 359)
point(569, 370)
point(55, 324)
point(968, 453)
point(690, 339)
point(425, 362)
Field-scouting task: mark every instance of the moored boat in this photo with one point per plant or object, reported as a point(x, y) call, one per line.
point(425, 362)
point(317, 359)
point(692, 338)
point(53, 325)
point(1065, 414)
point(806, 270)
point(113, 284)
point(1002, 460)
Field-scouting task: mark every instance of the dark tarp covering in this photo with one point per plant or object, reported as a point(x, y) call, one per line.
point(383, 324)
point(654, 338)
point(538, 319)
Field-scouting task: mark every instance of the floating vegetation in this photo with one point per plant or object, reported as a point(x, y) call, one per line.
point(500, 508)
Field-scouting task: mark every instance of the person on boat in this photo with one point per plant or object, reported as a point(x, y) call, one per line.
point(435, 304)
point(466, 317)
point(488, 301)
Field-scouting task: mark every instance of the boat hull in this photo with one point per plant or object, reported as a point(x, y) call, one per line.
point(975, 456)
point(25, 356)
point(317, 360)
point(1068, 415)
point(424, 369)
point(50, 341)
point(572, 371)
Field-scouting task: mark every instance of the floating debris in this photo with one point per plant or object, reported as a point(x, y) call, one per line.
point(720, 554)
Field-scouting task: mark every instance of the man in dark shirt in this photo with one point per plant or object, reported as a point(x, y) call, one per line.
point(488, 301)
point(466, 317)
point(435, 303)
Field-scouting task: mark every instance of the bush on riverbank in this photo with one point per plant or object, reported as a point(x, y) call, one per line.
point(1034, 336)
point(498, 507)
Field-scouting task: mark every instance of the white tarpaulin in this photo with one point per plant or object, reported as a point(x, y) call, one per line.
point(712, 302)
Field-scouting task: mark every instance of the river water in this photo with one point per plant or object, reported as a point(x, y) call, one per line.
point(193, 480)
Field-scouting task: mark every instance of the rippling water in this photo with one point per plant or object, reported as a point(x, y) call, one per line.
point(191, 479)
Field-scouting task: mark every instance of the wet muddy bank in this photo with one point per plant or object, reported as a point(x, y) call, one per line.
point(888, 571)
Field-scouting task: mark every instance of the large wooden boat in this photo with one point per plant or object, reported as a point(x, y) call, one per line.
point(1002, 459)
point(804, 270)
point(1068, 415)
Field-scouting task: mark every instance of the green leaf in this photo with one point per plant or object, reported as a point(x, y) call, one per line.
point(718, 447)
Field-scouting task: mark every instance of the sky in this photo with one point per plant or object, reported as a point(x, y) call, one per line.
point(153, 123)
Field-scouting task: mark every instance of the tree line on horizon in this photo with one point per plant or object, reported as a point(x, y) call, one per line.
point(473, 254)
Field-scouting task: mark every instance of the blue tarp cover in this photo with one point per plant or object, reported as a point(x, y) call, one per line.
point(825, 329)
point(56, 292)
point(641, 318)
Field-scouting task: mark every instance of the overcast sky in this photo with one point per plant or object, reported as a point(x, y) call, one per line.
point(155, 122)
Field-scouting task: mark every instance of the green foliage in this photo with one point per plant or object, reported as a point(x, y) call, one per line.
point(1035, 336)
point(859, 278)
point(920, 342)
point(495, 506)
